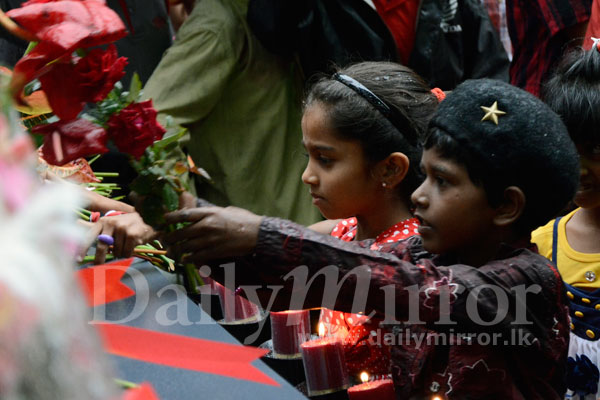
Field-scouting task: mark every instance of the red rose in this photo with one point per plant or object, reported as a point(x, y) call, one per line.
point(67, 141)
point(69, 85)
point(98, 72)
point(135, 128)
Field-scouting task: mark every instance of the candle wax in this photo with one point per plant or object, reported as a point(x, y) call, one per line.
point(382, 389)
point(324, 365)
point(288, 330)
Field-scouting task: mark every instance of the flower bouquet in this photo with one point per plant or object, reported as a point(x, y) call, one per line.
point(65, 71)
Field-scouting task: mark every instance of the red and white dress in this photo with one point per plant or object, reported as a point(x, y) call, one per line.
point(356, 329)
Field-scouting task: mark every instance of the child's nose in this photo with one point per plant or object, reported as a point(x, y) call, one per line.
point(308, 177)
point(418, 197)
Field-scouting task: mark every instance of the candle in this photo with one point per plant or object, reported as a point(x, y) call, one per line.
point(288, 330)
point(381, 389)
point(324, 365)
point(236, 307)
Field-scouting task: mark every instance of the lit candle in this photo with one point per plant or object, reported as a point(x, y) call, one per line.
point(324, 365)
point(381, 389)
point(288, 330)
point(236, 307)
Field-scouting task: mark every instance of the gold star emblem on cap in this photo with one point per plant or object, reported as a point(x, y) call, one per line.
point(492, 113)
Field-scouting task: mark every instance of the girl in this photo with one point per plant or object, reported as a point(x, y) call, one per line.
point(572, 241)
point(361, 129)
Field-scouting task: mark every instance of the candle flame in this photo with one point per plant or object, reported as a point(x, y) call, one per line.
point(321, 329)
point(436, 398)
point(364, 377)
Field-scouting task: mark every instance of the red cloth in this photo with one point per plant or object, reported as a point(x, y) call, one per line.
point(593, 28)
point(355, 329)
point(400, 16)
point(535, 28)
point(346, 230)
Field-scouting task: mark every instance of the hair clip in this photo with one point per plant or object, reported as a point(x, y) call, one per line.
point(396, 118)
point(439, 94)
point(596, 43)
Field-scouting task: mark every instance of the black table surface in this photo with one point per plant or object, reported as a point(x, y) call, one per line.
point(153, 308)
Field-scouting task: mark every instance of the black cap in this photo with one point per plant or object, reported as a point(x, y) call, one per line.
point(516, 139)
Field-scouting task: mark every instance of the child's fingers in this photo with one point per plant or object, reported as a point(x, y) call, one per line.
point(103, 244)
point(93, 230)
point(189, 215)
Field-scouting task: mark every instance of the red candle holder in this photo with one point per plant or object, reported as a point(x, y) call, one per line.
point(289, 329)
point(235, 307)
point(381, 389)
point(324, 366)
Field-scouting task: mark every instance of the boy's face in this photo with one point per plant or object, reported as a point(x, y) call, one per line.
point(455, 214)
point(588, 194)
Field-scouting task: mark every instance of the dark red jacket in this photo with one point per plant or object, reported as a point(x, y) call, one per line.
point(459, 368)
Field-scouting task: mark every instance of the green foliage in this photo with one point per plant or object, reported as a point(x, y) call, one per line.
point(135, 88)
point(114, 102)
point(162, 177)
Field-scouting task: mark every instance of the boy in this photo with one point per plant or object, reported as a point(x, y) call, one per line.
point(498, 162)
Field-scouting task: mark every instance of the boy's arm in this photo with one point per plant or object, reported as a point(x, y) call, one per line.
point(402, 284)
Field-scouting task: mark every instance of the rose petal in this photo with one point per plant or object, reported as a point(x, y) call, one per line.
point(75, 138)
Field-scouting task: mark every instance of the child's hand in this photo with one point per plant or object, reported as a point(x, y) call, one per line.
point(127, 231)
point(187, 200)
point(213, 233)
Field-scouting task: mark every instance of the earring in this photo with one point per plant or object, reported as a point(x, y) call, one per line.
point(383, 184)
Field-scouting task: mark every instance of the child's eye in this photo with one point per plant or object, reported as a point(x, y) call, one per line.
point(440, 181)
point(325, 160)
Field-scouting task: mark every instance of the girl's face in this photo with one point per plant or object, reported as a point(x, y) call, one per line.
point(454, 213)
point(588, 194)
point(337, 172)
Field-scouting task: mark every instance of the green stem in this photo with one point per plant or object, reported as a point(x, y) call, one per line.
point(106, 174)
point(199, 280)
point(91, 258)
point(126, 384)
point(83, 216)
point(84, 211)
point(94, 159)
point(104, 185)
point(191, 279)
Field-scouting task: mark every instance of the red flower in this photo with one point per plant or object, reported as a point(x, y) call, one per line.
point(63, 94)
point(98, 72)
point(67, 141)
point(61, 27)
point(135, 128)
point(70, 24)
point(69, 85)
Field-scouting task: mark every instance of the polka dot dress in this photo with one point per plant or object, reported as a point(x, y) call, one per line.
point(346, 230)
point(362, 347)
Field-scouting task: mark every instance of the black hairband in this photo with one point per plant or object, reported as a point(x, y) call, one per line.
point(395, 117)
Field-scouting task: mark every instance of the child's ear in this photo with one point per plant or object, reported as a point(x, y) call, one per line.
point(511, 208)
point(393, 169)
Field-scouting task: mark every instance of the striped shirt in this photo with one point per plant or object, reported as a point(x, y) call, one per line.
point(537, 33)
